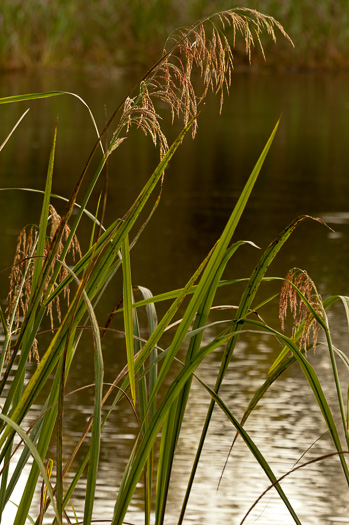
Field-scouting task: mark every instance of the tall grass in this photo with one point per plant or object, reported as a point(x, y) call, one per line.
point(73, 33)
point(51, 277)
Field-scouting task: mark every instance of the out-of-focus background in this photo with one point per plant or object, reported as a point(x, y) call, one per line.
point(114, 33)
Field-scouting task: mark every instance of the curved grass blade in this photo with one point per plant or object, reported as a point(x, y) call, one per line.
point(55, 196)
point(49, 94)
point(243, 311)
point(343, 356)
point(345, 301)
point(36, 457)
point(147, 411)
point(272, 377)
point(253, 448)
point(315, 385)
point(152, 323)
point(173, 294)
point(312, 461)
point(20, 463)
point(30, 96)
point(135, 466)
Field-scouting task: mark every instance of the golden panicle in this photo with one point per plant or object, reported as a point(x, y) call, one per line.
point(298, 280)
point(75, 252)
point(21, 275)
point(203, 47)
point(34, 351)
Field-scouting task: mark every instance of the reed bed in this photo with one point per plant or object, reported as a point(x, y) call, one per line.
point(75, 34)
point(50, 277)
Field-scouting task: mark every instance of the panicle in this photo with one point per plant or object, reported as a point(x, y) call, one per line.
point(299, 281)
point(204, 48)
point(22, 272)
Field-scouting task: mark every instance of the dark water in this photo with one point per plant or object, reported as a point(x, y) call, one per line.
point(306, 173)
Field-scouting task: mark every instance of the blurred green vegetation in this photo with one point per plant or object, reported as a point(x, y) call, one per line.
point(112, 33)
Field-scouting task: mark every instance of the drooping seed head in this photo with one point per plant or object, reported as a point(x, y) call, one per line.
point(299, 281)
point(205, 48)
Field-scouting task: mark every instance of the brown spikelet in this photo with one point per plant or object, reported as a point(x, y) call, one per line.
point(21, 275)
point(76, 253)
point(35, 352)
point(297, 279)
point(205, 48)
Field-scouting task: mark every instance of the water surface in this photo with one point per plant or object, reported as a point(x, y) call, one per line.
point(306, 173)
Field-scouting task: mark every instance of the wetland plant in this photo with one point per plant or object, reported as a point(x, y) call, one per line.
point(51, 277)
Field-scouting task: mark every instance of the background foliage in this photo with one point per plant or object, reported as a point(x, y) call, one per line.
point(100, 33)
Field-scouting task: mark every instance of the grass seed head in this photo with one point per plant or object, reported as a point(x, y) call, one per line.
point(203, 47)
point(299, 281)
point(22, 271)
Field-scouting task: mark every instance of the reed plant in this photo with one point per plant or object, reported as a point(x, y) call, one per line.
point(51, 277)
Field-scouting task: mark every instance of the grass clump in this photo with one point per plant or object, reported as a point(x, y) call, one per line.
point(42, 276)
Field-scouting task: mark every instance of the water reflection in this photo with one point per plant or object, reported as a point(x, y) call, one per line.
point(305, 173)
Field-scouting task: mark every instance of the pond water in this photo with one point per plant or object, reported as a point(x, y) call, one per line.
point(306, 172)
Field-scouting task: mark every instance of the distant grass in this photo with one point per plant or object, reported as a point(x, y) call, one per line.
point(75, 33)
point(70, 34)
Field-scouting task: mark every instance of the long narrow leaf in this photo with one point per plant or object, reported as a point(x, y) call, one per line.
point(243, 310)
point(315, 385)
point(60, 197)
point(135, 466)
point(49, 94)
point(253, 448)
point(170, 432)
point(35, 455)
point(133, 472)
point(213, 264)
point(44, 215)
point(96, 426)
point(128, 314)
